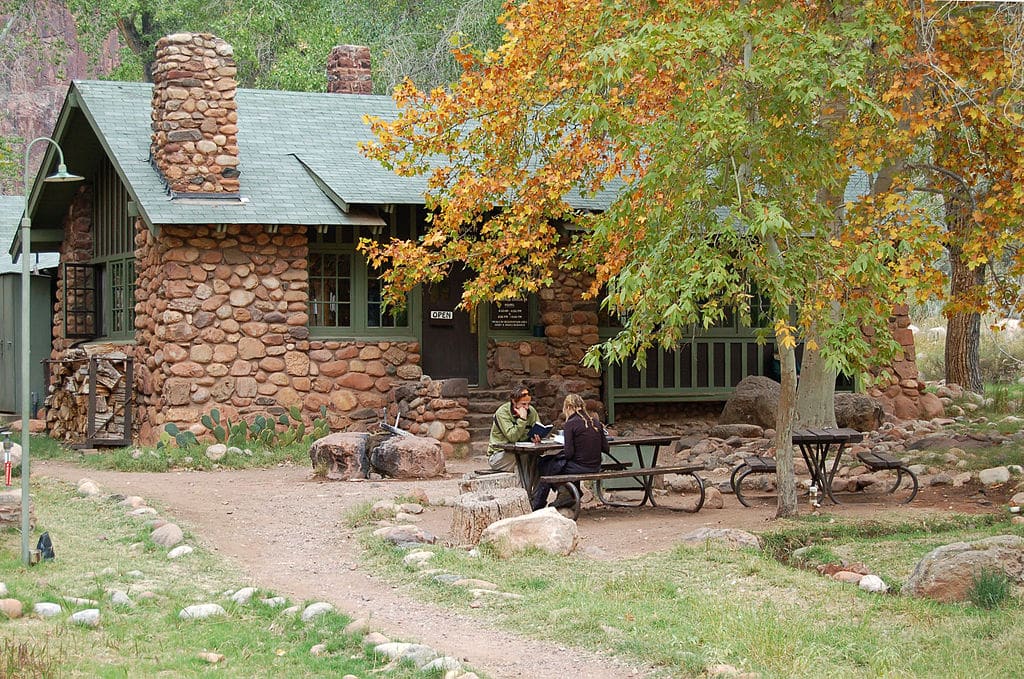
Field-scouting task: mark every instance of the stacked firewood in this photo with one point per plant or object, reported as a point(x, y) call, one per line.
point(70, 392)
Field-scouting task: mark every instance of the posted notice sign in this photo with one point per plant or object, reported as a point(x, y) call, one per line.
point(511, 315)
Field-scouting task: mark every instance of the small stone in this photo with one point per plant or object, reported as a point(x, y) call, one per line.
point(318, 650)
point(242, 596)
point(120, 598)
point(167, 535)
point(11, 608)
point(46, 609)
point(78, 601)
point(994, 476)
point(90, 617)
point(87, 488)
point(135, 574)
point(3, 589)
point(358, 626)
point(375, 639)
point(216, 452)
point(313, 610)
point(873, 583)
point(142, 511)
point(445, 663)
point(200, 611)
point(212, 658)
point(411, 508)
point(179, 551)
point(275, 601)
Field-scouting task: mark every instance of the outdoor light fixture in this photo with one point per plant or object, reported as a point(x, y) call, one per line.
point(60, 176)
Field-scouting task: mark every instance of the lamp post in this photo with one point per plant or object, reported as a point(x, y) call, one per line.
point(61, 175)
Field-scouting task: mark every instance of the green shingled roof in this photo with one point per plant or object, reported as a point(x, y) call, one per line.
point(298, 157)
point(11, 208)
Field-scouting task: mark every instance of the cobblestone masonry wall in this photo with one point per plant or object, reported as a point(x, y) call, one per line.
point(552, 365)
point(899, 386)
point(348, 70)
point(195, 121)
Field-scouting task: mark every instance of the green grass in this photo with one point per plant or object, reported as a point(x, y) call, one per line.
point(684, 610)
point(163, 459)
point(96, 545)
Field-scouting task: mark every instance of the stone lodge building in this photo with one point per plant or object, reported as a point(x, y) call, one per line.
point(210, 255)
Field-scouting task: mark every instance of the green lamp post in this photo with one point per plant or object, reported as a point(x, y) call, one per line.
point(61, 175)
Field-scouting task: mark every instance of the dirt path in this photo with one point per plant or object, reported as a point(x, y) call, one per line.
point(286, 532)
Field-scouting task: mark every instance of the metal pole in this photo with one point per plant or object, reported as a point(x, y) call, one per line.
point(61, 175)
point(26, 387)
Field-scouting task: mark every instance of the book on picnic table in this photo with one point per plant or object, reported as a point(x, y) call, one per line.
point(541, 430)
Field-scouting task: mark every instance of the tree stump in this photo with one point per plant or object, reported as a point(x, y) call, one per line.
point(10, 510)
point(473, 512)
point(474, 484)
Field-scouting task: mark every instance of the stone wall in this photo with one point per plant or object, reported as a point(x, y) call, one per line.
point(195, 128)
point(898, 386)
point(434, 408)
point(552, 365)
point(221, 322)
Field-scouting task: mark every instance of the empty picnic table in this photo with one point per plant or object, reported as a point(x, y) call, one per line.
point(815, 447)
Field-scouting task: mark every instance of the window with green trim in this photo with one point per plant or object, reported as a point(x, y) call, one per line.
point(99, 295)
point(345, 291)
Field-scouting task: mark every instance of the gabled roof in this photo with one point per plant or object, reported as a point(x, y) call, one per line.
point(11, 208)
point(298, 157)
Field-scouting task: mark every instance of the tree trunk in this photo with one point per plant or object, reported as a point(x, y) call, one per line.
point(473, 512)
point(963, 334)
point(816, 390)
point(784, 473)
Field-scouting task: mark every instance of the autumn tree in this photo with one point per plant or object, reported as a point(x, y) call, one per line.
point(703, 123)
point(976, 120)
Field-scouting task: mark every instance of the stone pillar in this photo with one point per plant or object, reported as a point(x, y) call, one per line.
point(194, 143)
point(348, 70)
point(898, 385)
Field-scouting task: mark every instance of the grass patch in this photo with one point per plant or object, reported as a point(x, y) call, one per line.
point(168, 458)
point(686, 609)
point(99, 549)
point(989, 589)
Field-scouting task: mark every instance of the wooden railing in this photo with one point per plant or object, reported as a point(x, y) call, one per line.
point(705, 369)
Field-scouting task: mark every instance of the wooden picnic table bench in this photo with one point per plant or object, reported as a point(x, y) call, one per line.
point(644, 477)
point(815, 446)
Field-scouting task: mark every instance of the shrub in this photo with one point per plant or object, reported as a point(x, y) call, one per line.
point(989, 589)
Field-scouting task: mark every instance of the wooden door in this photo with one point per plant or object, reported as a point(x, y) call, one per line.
point(450, 346)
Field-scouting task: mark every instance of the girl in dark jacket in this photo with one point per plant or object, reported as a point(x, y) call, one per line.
point(585, 441)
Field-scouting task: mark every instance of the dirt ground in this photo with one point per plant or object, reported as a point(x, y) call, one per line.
point(286, 532)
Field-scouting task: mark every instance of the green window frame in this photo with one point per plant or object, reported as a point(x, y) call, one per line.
point(345, 291)
point(99, 295)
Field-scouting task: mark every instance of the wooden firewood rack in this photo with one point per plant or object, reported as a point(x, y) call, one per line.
point(105, 384)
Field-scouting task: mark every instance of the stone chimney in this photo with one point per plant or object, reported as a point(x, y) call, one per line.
point(195, 117)
point(348, 70)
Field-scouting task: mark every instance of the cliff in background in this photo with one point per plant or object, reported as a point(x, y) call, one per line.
point(40, 54)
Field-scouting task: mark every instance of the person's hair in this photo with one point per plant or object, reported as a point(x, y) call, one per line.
point(518, 391)
point(575, 405)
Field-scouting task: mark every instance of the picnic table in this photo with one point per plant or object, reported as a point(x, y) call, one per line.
point(646, 468)
point(815, 447)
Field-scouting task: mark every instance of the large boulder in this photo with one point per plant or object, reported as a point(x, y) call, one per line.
point(342, 455)
point(543, 529)
point(947, 573)
point(408, 457)
point(755, 401)
point(858, 411)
